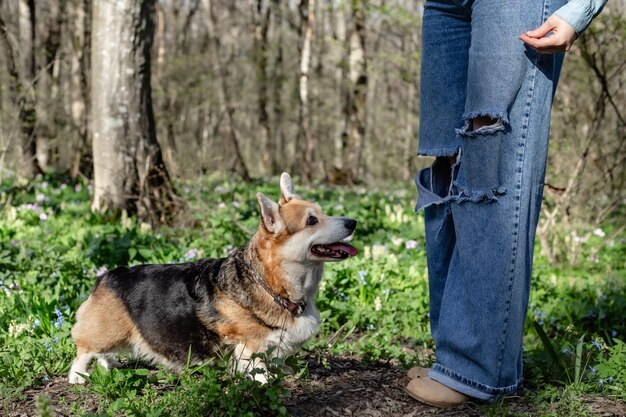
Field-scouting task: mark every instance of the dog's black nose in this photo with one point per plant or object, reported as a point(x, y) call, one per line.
point(350, 224)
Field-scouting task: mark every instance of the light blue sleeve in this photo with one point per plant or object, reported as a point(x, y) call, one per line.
point(580, 13)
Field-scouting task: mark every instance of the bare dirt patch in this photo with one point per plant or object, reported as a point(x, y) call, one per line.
point(62, 396)
point(346, 386)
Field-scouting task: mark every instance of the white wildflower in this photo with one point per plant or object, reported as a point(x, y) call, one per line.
point(191, 253)
point(378, 251)
point(410, 244)
point(378, 305)
point(16, 329)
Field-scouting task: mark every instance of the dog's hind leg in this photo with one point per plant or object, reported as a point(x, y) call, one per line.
point(102, 327)
point(79, 366)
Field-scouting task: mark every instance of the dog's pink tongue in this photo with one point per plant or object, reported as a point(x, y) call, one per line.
point(347, 248)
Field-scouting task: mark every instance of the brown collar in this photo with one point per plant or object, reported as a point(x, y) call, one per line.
point(295, 309)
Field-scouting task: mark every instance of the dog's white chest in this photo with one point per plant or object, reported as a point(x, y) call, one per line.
point(303, 328)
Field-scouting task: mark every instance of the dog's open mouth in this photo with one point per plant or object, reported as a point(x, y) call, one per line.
point(337, 250)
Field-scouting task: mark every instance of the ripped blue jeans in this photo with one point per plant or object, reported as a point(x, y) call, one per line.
point(482, 195)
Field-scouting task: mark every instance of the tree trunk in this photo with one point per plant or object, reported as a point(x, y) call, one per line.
point(356, 108)
point(226, 106)
point(129, 172)
point(261, 22)
point(23, 92)
point(52, 17)
point(79, 17)
point(307, 15)
point(160, 41)
point(277, 142)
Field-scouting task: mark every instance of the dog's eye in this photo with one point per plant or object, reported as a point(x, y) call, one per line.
point(311, 221)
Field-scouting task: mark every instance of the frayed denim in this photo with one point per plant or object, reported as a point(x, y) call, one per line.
point(482, 195)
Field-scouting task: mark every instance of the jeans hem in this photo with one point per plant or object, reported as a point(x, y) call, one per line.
point(469, 387)
point(444, 151)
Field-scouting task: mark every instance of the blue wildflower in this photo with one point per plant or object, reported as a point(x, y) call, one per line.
point(36, 324)
point(47, 345)
point(58, 323)
point(613, 333)
point(45, 379)
point(601, 383)
point(362, 275)
point(55, 339)
point(566, 351)
point(593, 370)
point(597, 344)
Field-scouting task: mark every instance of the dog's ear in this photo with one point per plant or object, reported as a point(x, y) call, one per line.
point(270, 217)
point(286, 188)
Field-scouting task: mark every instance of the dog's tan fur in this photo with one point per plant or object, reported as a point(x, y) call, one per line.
point(102, 323)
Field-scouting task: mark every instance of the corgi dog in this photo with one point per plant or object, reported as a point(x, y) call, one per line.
point(260, 297)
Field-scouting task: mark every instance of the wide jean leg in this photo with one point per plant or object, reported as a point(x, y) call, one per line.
point(481, 212)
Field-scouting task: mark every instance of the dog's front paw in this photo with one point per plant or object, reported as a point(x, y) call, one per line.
point(259, 376)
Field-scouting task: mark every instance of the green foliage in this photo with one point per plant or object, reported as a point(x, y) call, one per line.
point(208, 389)
point(44, 409)
point(374, 305)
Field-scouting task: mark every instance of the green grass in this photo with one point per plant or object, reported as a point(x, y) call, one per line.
point(374, 305)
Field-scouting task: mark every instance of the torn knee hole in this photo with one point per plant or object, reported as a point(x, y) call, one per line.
point(483, 123)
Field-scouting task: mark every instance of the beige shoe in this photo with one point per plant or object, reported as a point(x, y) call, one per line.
point(431, 392)
point(418, 372)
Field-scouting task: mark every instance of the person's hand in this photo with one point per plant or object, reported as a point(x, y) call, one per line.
point(562, 36)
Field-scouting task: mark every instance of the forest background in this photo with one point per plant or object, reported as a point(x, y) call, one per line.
point(327, 90)
point(139, 131)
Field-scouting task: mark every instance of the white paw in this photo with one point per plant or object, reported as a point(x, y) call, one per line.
point(259, 376)
point(75, 378)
